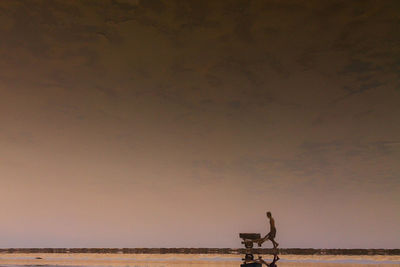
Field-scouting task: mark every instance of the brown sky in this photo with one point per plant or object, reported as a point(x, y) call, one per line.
point(179, 123)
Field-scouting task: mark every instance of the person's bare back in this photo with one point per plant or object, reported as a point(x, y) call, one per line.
point(272, 224)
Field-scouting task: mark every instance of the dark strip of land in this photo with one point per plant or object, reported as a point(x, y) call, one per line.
point(282, 251)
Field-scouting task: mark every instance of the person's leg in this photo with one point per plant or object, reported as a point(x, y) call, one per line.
point(276, 258)
point(272, 238)
point(276, 244)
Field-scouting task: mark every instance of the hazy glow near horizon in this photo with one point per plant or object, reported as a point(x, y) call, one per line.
point(179, 124)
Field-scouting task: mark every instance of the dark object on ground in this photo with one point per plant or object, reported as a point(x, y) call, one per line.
point(251, 236)
point(249, 239)
point(39, 258)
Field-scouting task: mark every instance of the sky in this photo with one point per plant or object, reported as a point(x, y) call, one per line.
point(180, 123)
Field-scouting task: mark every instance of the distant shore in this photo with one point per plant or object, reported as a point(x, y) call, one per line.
point(282, 251)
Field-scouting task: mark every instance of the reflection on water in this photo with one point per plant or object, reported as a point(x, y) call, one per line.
point(180, 260)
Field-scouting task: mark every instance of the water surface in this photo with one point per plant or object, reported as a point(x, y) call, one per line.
point(180, 260)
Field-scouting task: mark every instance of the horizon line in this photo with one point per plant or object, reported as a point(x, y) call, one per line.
point(206, 250)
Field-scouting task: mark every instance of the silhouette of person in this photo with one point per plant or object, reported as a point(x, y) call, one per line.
point(272, 232)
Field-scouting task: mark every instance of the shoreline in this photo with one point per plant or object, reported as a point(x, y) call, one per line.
point(220, 251)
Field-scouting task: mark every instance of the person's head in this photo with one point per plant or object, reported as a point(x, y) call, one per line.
point(269, 214)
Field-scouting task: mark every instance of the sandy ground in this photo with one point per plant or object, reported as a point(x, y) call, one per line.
point(166, 260)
